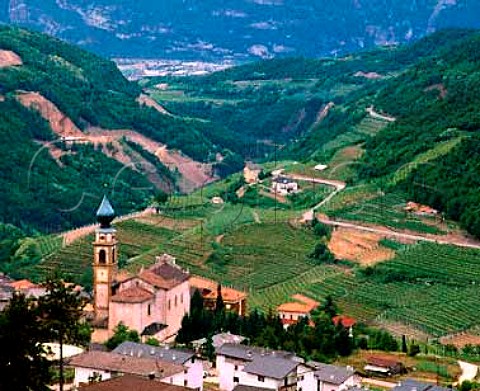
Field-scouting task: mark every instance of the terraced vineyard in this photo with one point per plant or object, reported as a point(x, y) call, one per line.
point(381, 209)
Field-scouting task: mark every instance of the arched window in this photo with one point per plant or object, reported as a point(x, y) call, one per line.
point(102, 257)
point(113, 255)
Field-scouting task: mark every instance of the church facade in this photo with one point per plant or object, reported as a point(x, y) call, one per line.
point(152, 302)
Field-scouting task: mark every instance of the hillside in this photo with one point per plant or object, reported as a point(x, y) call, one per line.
point(215, 30)
point(403, 119)
point(72, 129)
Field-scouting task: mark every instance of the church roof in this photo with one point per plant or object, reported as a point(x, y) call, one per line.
point(105, 213)
point(133, 294)
point(164, 275)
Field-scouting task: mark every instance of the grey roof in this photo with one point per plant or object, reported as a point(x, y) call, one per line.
point(248, 353)
point(105, 209)
point(175, 356)
point(415, 385)
point(332, 374)
point(241, 387)
point(271, 366)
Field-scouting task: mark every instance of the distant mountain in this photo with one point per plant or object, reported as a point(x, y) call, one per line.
point(239, 29)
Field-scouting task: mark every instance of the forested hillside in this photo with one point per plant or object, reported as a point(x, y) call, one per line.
point(412, 114)
point(52, 92)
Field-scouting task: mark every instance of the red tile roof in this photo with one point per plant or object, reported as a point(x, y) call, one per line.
point(208, 288)
point(345, 320)
point(23, 284)
point(303, 305)
point(133, 294)
point(132, 383)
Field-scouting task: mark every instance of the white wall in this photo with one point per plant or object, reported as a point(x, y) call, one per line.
point(249, 379)
point(82, 375)
point(226, 372)
point(306, 380)
point(195, 373)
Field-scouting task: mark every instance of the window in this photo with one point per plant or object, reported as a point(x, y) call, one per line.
point(185, 382)
point(102, 257)
point(261, 378)
point(181, 298)
point(169, 304)
point(236, 367)
point(175, 300)
point(149, 310)
point(193, 360)
point(236, 379)
point(113, 255)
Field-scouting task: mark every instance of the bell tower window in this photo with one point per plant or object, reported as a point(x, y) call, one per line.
point(102, 257)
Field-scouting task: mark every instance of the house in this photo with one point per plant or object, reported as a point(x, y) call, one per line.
point(152, 302)
point(105, 365)
point(292, 312)
point(241, 365)
point(193, 366)
point(219, 340)
point(345, 321)
point(132, 383)
point(334, 378)
point(217, 200)
point(419, 209)
point(378, 365)
point(320, 167)
point(283, 185)
point(234, 300)
point(28, 288)
point(251, 172)
point(415, 385)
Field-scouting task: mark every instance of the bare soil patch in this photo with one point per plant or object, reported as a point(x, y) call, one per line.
point(59, 122)
point(361, 247)
point(9, 59)
point(442, 91)
point(460, 340)
point(398, 329)
point(149, 102)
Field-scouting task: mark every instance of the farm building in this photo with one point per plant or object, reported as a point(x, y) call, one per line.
point(251, 172)
point(283, 185)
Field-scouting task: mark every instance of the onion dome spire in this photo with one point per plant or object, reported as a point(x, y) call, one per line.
point(105, 213)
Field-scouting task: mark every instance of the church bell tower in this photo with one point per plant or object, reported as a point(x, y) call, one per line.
point(104, 259)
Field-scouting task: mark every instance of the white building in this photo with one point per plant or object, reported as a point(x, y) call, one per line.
point(193, 366)
point(283, 185)
point(247, 368)
point(99, 366)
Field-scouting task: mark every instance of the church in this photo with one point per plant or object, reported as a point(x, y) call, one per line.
point(152, 302)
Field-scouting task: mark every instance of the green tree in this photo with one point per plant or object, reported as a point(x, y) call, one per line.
point(321, 254)
point(329, 307)
point(413, 350)
point(121, 333)
point(61, 312)
point(404, 344)
point(23, 363)
point(152, 341)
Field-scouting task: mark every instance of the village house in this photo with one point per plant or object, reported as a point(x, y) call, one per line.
point(346, 322)
point(193, 366)
point(263, 368)
point(284, 186)
point(152, 302)
point(131, 383)
point(334, 378)
point(99, 366)
point(248, 368)
point(251, 172)
point(291, 312)
point(378, 365)
point(234, 300)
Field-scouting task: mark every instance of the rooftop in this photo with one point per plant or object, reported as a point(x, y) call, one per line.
point(133, 294)
point(248, 353)
point(208, 289)
point(271, 366)
point(333, 374)
point(346, 321)
point(164, 274)
point(165, 354)
point(129, 382)
point(133, 365)
point(23, 284)
point(303, 304)
point(241, 387)
point(415, 385)
point(105, 213)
